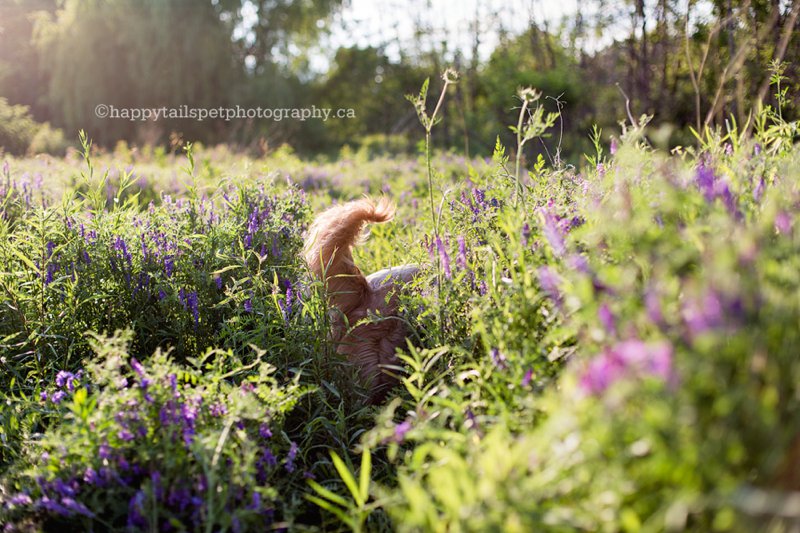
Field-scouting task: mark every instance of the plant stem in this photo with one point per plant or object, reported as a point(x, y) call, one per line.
point(520, 144)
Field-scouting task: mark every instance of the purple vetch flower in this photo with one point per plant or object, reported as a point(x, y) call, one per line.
point(255, 503)
point(613, 146)
point(43, 396)
point(553, 231)
point(285, 304)
point(631, 358)
point(653, 306)
point(713, 188)
point(527, 378)
point(218, 282)
point(498, 358)
point(607, 319)
point(137, 366)
point(482, 288)
point(550, 282)
point(58, 396)
point(461, 259)
point(291, 456)
point(269, 458)
point(444, 258)
point(19, 500)
point(264, 463)
point(264, 431)
point(121, 247)
point(169, 265)
point(705, 179)
point(218, 409)
point(136, 519)
point(64, 378)
point(579, 263)
point(703, 315)
point(155, 484)
point(783, 222)
point(526, 234)
point(248, 306)
point(400, 431)
point(757, 149)
point(125, 435)
point(90, 476)
point(104, 451)
point(193, 306)
point(758, 190)
point(76, 507)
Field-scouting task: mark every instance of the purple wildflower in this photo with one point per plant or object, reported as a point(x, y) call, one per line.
point(526, 234)
point(553, 234)
point(136, 519)
point(63, 377)
point(169, 265)
point(783, 222)
point(400, 431)
point(758, 190)
point(702, 316)
point(104, 451)
point(290, 457)
point(90, 476)
point(218, 409)
point(20, 499)
point(527, 378)
point(444, 258)
point(607, 318)
point(498, 358)
point(461, 260)
point(137, 366)
point(632, 358)
point(579, 263)
point(58, 396)
point(550, 281)
point(653, 306)
point(705, 181)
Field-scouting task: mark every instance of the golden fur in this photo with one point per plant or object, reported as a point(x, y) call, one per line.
point(366, 327)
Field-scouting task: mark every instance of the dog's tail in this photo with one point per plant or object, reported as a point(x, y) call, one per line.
point(328, 248)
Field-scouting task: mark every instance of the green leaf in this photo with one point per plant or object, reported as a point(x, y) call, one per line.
point(330, 508)
point(364, 475)
point(327, 494)
point(347, 477)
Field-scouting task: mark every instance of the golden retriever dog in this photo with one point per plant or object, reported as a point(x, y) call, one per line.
point(366, 326)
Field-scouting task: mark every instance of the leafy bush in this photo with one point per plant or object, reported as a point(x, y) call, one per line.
point(17, 128)
point(158, 444)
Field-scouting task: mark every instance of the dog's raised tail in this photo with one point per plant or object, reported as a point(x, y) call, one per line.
point(328, 247)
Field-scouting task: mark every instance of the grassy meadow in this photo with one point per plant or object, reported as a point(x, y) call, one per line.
point(605, 347)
